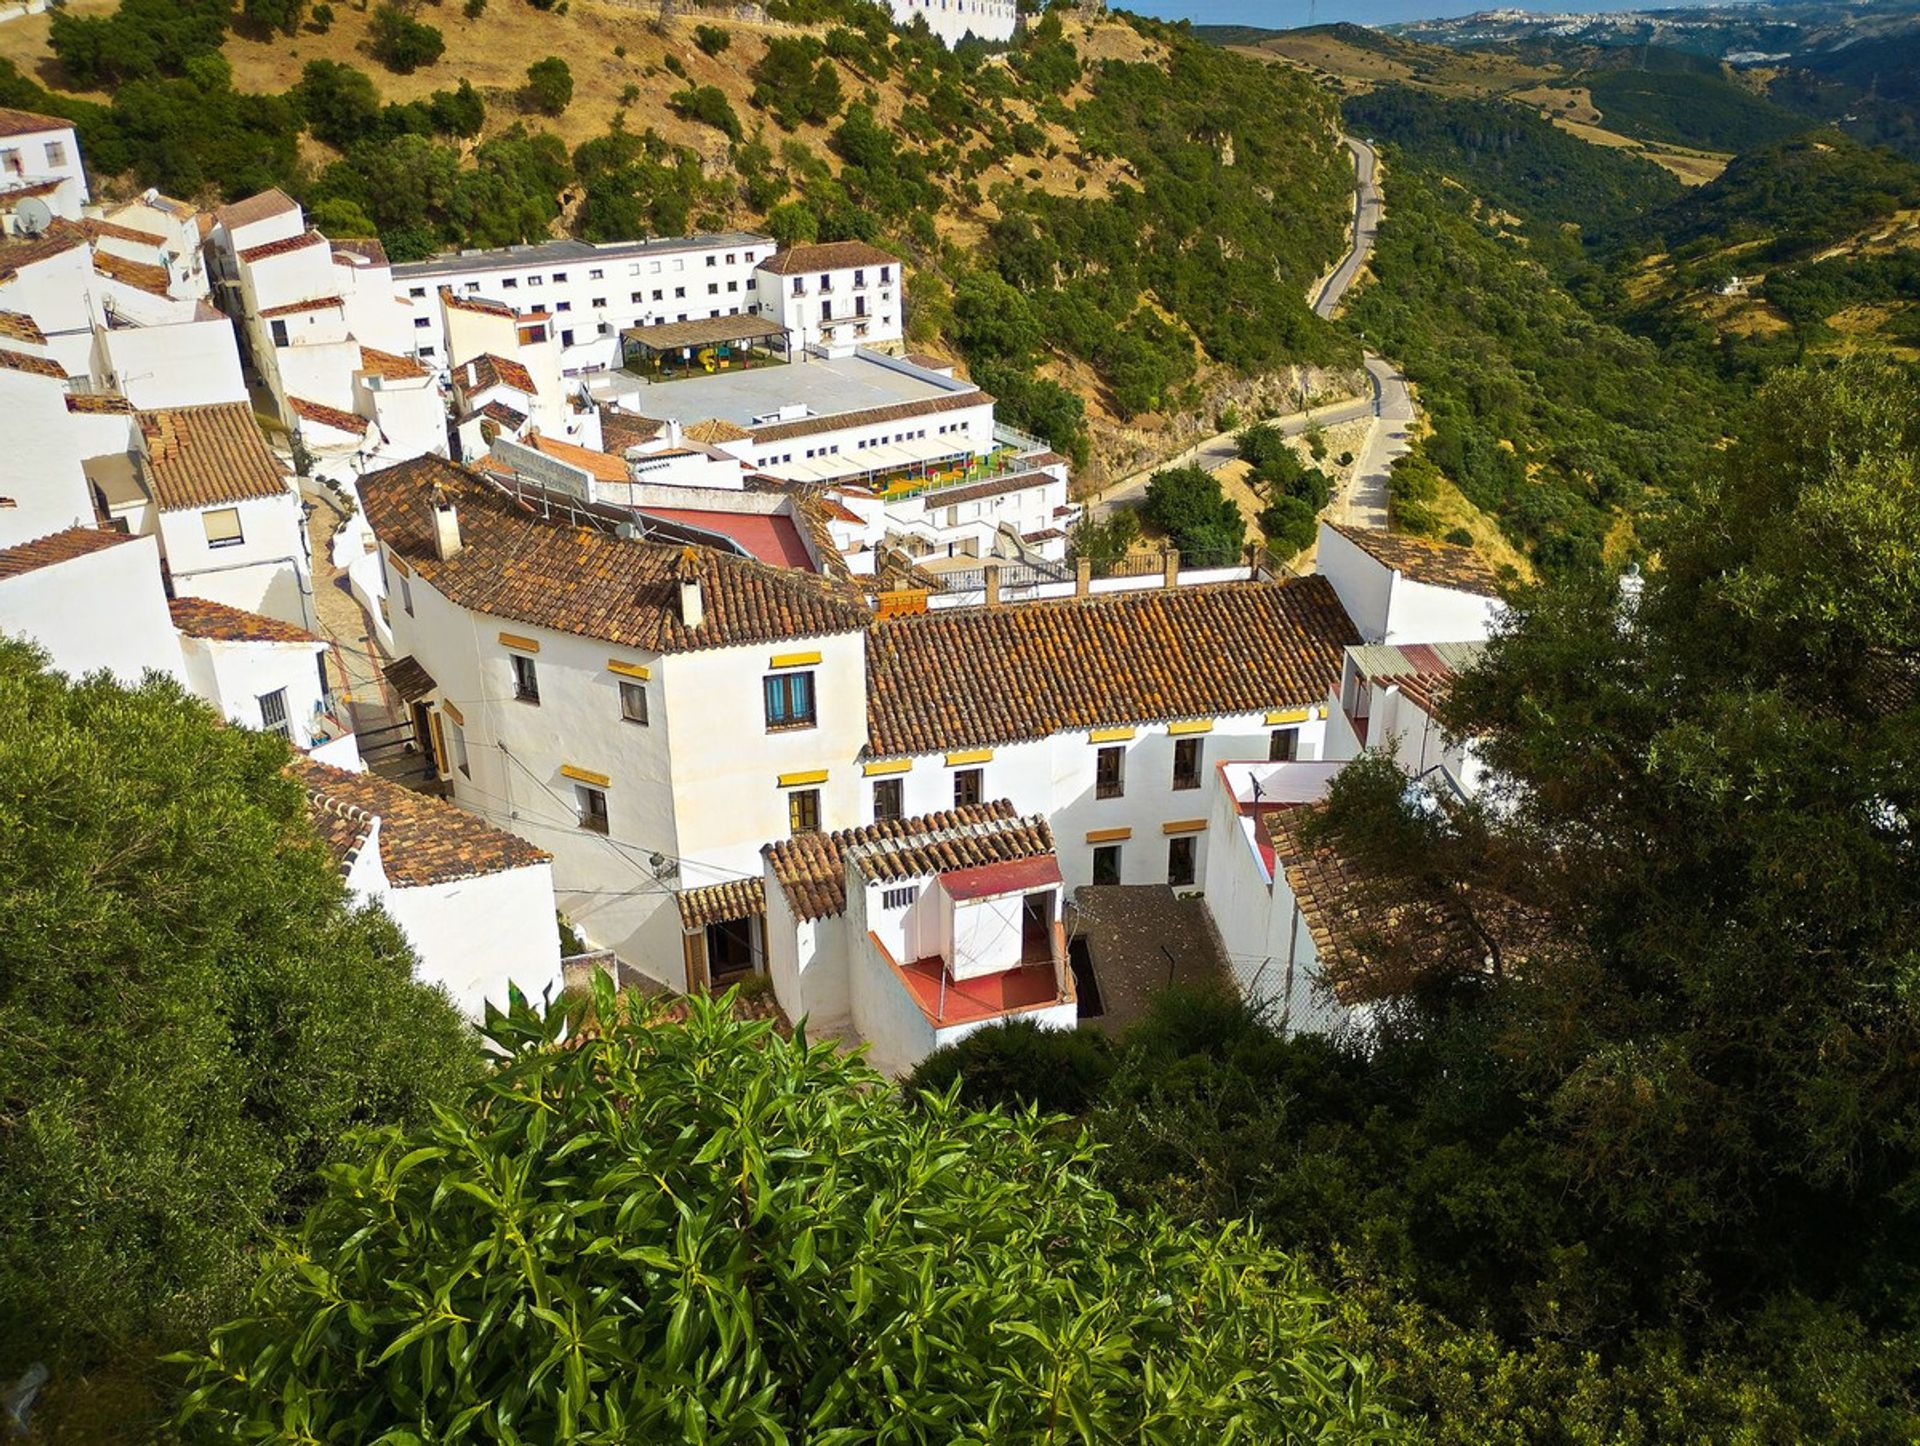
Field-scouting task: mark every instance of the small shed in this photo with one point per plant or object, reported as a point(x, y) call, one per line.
point(705, 344)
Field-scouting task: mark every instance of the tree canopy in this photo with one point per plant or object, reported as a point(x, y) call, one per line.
point(192, 1018)
point(710, 1232)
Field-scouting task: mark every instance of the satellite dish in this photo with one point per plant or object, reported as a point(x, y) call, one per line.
point(32, 216)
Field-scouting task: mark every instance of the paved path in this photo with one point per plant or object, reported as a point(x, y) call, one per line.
point(1362, 502)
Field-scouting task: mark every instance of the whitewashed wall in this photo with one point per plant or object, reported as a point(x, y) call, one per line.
point(267, 572)
point(477, 936)
point(103, 610)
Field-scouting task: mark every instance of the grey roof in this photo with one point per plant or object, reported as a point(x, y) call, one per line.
point(545, 253)
point(825, 387)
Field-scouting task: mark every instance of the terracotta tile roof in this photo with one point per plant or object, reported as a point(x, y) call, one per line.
point(407, 678)
point(837, 511)
point(19, 361)
point(141, 275)
point(273, 202)
point(1440, 564)
point(488, 370)
point(512, 418)
point(13, 195)
point(620, 430)
point(27, 122)
point(873, 416)
point(1375, 934)
point(209, 456)
point(721, 903)
point(598, 465)
point(714, 430)
point(97, 228)
point(386, 364)
point(928, 360)
point(200, 617)
point(423, 840)
point(579, 580)
point(810, 867)
point(976, 677)
point(19, 252)
point(1426, 691)
point(323, 415)
point(57, 548)
point(475, 303)
point(367, 248)
point(285, 246)
point(992, 487)
point(828, 256)
point(312, 303)
point(99, 404)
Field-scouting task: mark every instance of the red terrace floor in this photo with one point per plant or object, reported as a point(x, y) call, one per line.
point(987, 997)
point(771, 539)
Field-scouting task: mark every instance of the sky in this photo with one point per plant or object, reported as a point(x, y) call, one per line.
point(1285, 14)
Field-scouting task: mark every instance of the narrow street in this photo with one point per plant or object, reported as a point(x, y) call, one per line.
point(1362, 501)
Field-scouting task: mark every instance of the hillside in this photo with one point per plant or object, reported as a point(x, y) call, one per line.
point(1112, 225)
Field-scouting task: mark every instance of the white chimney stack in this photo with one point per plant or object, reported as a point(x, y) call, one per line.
point(693, 606)
point(446, 524)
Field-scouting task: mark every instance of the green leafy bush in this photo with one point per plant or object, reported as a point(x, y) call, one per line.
point(705, 1230)
point(1017, 1064)
point(796, 82)
point(550, 85)
point(1188, 505)
point(400, 42)
point(193, 1017)
point(712, 39)
point(707, 104)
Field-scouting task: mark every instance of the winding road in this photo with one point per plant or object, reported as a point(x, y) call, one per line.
point(1362, 502)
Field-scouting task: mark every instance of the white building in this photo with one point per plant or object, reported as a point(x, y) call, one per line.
point(474, 901)
point(158, 231)
point(952, 21)
point(1400, 589)
point(325, 334)
point(92, 599)
point(911, 934)
point(1389, 701)
point(648, 713)
point(587, 294)
point(837, 295)
point(263, 673)
point(39, 162)
point(230, 521)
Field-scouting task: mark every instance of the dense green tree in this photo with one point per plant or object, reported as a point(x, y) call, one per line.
point(704, 1230)
point(400, 42)
point(712, 39)
point(1188, 505)
point(550, 85)
point(340, 103)
point(709, 105)
point(1018, 1063)
point(192, 1017)
point(796, 82)
point(281, 15)
point(139, 40)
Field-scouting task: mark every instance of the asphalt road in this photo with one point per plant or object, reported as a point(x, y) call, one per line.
point(1363, 501)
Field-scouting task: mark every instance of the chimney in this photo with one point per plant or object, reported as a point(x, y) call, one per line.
point(1170, 560)
point(446, 523)
point(992, 573)
point(686, 572)
point(1082, 577)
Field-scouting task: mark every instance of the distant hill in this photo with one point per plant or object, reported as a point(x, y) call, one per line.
point(1688, 101)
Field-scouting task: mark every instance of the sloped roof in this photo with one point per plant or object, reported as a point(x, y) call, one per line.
point(713, 430)
point(323, 415)
point(271, 202)
point(487, 370)
point(99, 403)
point(95, 227)
point(874, 416)
point(200, 617)
point(620, 430)
point(17, 252)
point(971, 677)
point(588, 582)
point(57, 548)
point(827, 256)
point(1439, 564)
point(19, 361)
point(295, 308)
point(810, 867)
point(27, 122)
point(721, 903)
point(602, 466)
point(18, 326)
point(390, 366)
point(475, 303)
point(423, 840)
point(209, 456)
point(285, 246)
point(409, 679)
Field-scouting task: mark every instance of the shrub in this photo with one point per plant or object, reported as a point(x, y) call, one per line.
point(321, 16)
point(1188, 505)
point(705, 1231)
point(1061, 1071)
point(707, 104)
point(711, 39)
point(400, 42)
point(549, 85)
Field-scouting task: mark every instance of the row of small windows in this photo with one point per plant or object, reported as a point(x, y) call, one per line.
point(598, 273)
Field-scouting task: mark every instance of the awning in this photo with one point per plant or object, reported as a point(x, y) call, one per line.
point(409, 679)
point(989, 880)
point(888, 457)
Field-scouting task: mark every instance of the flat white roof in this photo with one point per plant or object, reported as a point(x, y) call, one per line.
point(871, 459)
point(823, 387)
